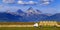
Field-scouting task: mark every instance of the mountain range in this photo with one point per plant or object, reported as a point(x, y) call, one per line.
point(31, 15)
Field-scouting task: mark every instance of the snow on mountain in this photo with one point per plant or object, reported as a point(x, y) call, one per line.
point(31, 15)
point(32, 11)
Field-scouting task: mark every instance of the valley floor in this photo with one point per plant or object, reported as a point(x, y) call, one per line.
point(29, 28)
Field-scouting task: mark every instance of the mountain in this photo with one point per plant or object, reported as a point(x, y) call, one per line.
point(38, 11)
point(7, 17)
point(48, 14)
point(20, 12)
point(55, 17)
point(31, 15)
point(32, 11)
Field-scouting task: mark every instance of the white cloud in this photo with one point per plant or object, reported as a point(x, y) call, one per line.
point(8, 1)
point(20, 2)
point(29, 2)
point(46, 2)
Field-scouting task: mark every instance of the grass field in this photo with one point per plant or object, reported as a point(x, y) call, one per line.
point(29, 28)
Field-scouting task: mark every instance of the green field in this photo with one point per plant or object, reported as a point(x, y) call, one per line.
point(29, 28)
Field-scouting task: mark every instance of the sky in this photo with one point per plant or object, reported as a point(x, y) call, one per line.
point(46, 6)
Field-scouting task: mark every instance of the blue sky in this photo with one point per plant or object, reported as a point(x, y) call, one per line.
point(50, 6)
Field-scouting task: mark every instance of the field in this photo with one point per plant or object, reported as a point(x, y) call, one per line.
point(29, 28)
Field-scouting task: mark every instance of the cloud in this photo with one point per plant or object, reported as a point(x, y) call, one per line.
point(29, 2)
point(46, 2)
point(20, 2)
point(8, 1)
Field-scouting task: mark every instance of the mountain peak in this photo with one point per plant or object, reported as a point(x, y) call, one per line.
point(30, 8)
point(19, 11)
point(38, 11)
point(33, 11)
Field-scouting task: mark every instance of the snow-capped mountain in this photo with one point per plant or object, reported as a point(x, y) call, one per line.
point(33, 11)
point(31, 15)
point(30, 11)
